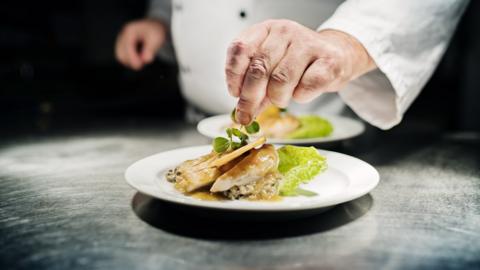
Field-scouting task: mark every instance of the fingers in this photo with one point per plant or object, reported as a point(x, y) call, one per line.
point(279, 60)
point(238, 56)
point(321, 76)
point(120, 50)
point(286, 75)
point(263, 62)
point(151, 44)
point(253, 90)
point(126, 48)
point(148, 33)
point(134, 60)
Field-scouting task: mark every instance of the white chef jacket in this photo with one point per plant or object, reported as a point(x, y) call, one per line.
point(405, 38)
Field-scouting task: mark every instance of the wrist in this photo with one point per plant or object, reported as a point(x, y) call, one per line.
point(355, 56)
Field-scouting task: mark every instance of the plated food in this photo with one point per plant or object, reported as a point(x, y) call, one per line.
point(252, 178)
point(253, 175)
point(236, 169)
point(346, 178)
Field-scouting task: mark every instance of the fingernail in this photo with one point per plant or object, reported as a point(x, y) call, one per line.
point(242, 117)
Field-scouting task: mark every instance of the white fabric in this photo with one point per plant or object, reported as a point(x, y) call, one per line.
point(406, 38)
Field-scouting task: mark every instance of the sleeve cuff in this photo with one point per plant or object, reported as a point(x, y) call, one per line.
point(380, 97)
point(162, 10)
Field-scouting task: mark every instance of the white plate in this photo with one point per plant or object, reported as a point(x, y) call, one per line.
point(343, 128)
point(346, 178)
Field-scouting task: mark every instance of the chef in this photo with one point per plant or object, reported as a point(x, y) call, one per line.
point(376, 54)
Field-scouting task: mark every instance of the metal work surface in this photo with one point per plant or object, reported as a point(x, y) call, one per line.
point(64, 204)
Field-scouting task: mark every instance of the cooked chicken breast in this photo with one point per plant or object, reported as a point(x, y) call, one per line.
point(250, 169)
point(196, 173)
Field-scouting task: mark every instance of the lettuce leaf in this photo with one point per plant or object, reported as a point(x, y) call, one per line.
point(311, 126)
point(298, 165)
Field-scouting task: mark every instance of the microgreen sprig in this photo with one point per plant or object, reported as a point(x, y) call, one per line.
point(222, 144)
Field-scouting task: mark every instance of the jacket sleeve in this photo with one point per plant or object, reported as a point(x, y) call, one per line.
point(162, 10)
point(406, 39)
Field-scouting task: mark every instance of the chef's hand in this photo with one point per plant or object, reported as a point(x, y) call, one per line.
point(139, 41)
point(279, 60)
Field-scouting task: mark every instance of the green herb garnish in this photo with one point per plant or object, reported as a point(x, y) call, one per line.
point(239, 134)
point(221, 144)
point(232, 115)
point(253, 128)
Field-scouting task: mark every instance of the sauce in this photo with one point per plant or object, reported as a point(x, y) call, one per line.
point(210, 196)
point(206, 196)
point(274, 198)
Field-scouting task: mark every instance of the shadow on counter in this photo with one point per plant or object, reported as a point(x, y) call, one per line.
point(206, 224)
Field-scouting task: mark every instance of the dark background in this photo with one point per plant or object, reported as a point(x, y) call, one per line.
point(57, 64)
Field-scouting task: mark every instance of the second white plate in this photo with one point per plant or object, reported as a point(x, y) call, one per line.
point(343, 128)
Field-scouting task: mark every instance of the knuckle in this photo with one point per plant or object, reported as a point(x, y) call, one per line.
point(231, 72)
point(245, 104)
point(258, 67)
point(281, 75)
point(308, 89)
point(237, 47)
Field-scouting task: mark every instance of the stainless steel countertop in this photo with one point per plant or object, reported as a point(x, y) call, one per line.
point(64, 204)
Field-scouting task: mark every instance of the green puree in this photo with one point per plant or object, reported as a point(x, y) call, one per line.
point(311, 126)
point(298, 165)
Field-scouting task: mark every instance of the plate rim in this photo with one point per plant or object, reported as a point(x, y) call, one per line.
point(254, 207)
point(318, 140)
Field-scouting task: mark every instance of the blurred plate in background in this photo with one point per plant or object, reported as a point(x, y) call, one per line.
point(343, 128)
